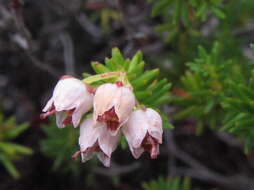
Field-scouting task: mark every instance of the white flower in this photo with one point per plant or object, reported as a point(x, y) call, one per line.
point(113, 104)
point(71, 99)
point(96, 140)
point(143, 132)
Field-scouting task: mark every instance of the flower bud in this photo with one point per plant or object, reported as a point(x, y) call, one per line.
point(113, 104)
point(95, 139)
point(71, 99)
point(143, 132)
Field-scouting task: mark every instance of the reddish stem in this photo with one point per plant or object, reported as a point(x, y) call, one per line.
point(45, 115)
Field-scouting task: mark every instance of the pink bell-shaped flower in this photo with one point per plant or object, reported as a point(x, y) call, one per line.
point(113, 104)
point(71, 99)
point(143, 132)
point(96, 140)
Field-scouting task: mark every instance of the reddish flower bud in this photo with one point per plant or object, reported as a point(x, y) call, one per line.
point(69, 102)
point(95, 140)
point(143, 132)
point(113, 104)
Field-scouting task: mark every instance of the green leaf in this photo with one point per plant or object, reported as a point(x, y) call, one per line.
point(140, 95)
point(176, 184)
point(137, 58)
point(16, 131)
point(177, 11)
point(162, 100)
point(85, 75)
point(209, 106)
point(123, 142)
point(186, 183)
point(99, 68)
point(117, 56)
point(145, 79)
point(201, 11)
point(230, 123)
point(159, 7)
point(220, 14)
point(252, 47)
point(110, 64)
point(184, 113)
point(158, 94)
point(165, 120)
point(13, 149)
point(9, 166)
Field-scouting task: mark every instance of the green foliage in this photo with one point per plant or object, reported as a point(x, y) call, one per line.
point(205, 83)
point(60, 145)
point(240, 110)
point(10, 151)
point(105, 17)
point(188, 13)
point(168, 184)
point(148, 88)
point(219, 92)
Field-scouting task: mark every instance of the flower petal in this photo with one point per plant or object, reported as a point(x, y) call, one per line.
point(107, 142)
point(104, 159)
point(124, 102)
point(103, 99)
point(48, 105)
point(87, 156)
point(60, 117)
point(68, 93)
point(92, 133)
point(89, 133)
point(136, 128)
point(155, 124)
point(80, 111)
point(137, 152)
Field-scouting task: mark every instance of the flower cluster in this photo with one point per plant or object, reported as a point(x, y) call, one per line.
point(115, 112)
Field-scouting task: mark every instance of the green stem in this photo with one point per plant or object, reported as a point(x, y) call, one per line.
point(119, 75)
point(103, 76)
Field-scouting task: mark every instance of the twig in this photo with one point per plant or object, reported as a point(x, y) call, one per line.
point(25, 40)
point(115, 169)
point(68, 53)
point(235, 182)
point(199, 171)
point(91, 28)
point(41, 65)
point(84, 22)
point(227, 138)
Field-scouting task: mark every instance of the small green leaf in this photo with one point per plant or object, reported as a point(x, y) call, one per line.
point(99, 68)
point(162, 100)
point(85, 75)
point(137, 58)
point(252, 47)
point(123, 142)
point(165, 120)
point(158, 94)
point(15, 131)
point(110, 64)
point(140, 95)
point(220, 14)
point(117, 56)
point(9, 166)
point(145, 79)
